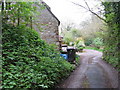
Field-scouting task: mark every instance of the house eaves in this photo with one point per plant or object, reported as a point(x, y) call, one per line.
point(49, 9)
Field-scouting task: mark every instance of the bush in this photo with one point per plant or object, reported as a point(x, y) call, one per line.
point(80, 48)
point(88, 41)
point(28, 61)
point(98, 42)
point(112, 36)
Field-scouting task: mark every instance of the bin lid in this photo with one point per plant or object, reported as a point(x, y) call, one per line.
point(71, 47)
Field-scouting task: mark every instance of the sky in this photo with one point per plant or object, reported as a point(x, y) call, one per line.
point(67, 12)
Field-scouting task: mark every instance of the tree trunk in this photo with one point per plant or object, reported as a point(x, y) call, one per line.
point(31, 22)
point(18, 16)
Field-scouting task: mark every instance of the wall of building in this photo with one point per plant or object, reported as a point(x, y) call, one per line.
point(46, 24)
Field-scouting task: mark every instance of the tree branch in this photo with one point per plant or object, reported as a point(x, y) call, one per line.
point(88, 9)
point(87, 5)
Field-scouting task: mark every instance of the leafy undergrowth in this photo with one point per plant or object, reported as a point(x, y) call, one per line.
point(111, 36)
point(94, 48)
point(29, 62)
point(77, 59)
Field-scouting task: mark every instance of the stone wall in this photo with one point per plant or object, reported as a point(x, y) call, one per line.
point(47, 25)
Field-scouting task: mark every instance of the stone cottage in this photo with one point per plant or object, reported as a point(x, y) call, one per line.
point(44, 22)
point(47, 24)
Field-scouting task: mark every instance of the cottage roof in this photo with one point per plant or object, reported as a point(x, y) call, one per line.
point(49, 9)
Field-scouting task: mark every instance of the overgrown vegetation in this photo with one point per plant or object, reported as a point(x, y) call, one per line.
point(17, 13)
point(94, 48)
point(111, 37)
point(88, 33)
point(28, 61)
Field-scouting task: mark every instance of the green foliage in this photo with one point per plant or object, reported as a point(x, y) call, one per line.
point(111, 37)
point(19, 12)
point(79, 45)
point(98, 42)
point(71, 35)
point(88, 41)
point(77, 59)
point(68, 37)
point(81, 48)
point(29, 62)
point(76, 33)
point(94, 48)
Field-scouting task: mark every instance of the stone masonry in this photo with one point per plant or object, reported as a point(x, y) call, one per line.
point(47, 24)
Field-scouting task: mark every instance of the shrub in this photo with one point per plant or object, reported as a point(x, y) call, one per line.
point(88, 41)
point(112, 36)
point(28, 61)
point(98, 42)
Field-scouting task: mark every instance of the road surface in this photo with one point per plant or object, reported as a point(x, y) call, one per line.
point(93, 72)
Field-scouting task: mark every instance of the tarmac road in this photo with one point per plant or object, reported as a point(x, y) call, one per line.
point(93, 72)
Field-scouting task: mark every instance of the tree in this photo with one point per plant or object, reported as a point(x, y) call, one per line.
point(90, 10)
point(112, 36)
point(17, 12)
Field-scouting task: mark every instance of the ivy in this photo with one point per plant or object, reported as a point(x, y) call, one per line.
point(28, 61)
point(111, 38)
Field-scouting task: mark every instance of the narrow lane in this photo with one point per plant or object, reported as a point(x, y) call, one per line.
point(92, 73)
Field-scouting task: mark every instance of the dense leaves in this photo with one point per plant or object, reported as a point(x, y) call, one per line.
point(28, 61)
point(98, 42)
point(18, 13)
point(111, 38)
